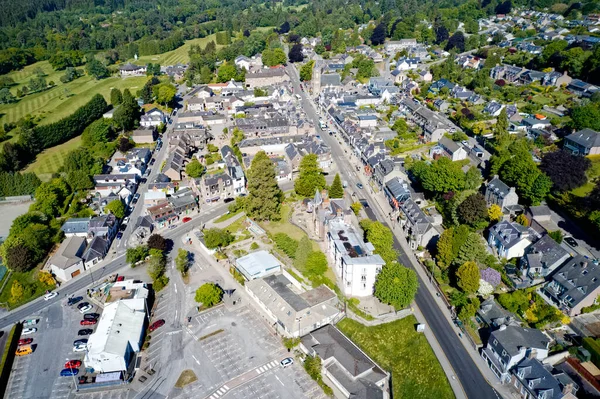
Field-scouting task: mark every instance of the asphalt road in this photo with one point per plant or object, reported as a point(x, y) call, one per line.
point(471, 379)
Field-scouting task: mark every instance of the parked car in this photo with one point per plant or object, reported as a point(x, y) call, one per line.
point(83, 379)
point(82, 305)
point(88, 322)
point(126, 220)
point(24, 350)
point(86, 308)
point(84, 331)
point(80, 348)
point(227, 200)
point(25, 341)
point(571, 241)
point(186, 219)
point(72, 364)
point(136, 196)
point(80, 342)
point(91, 316)
point(152, 161)
point(74, 300)
point(359, 185)
point(119, 235)
point(29, 322)
point(50, 295)
point(29, 330)
point(288, 361)
point(156, 324)
point(172, 226)
point(69, 372)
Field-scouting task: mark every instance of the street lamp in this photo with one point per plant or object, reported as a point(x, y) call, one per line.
point(73, 375)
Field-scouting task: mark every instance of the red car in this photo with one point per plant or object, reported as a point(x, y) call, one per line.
point(25, 341)
point(88, 322)
point(73, 364)
point(156, 324)
point(186, 219)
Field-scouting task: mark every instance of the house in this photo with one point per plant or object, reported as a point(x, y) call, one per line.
point(498, 193)
point(96, 251)
point(104, 226)
point(183, 201)
point(434, 124)
point(365, 121)
point(449, 148)
point(534, 380)
point(67, 262)
point(175, 164)
point(142, 230)
point(293, 311)
point(575, 285)
point(438, 85)
point(243, 62)
point(541, 259)
point(354, 262)
point(266, 77)
point(441, 105)
point(494, 315)
point(154, 197)
point(145, 135)
point(152, 118)
point(76, 227)
point(330, 81)
point(216, 186)
point(493, 108)
point(509, 239)
point(129, 69)
point(393, 46)
point(584, 142)
point(556, 79)
point(425, 76)
point(417, 226)
point(508, 345)
point(162, 214)
point(396, 191)
point(405, 63)
point(581, 88)
point(345, 367)
point(177, 71)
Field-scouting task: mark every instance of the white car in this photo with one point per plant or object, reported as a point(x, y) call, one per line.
point(288, 361)
point(80, 348)
point(29, 330)
point(85, 308)
point(50, 295)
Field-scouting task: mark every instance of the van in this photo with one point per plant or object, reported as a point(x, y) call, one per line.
point(24, 350)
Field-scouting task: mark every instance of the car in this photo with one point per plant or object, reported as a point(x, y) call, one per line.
point(24, 350)
point(156, 324)
point(359, 185)
point(364, 203)
point(69, 372)
point(80, 342)
point(25, 341)
point(80, 348)
point(50, 295)
point(82, 305)
point(88, 322)
point(186, 219)
point(172, 226)
point(152, 161)
point(571, 241)
point(228, 200)
point(74, 300)
point(73, 364)
point(137, 196)
point(84, 331)
point(120, 278)
point(288, 361)
point(126, 220)
point(86, 308)
point(122, 227)
point(29, 330)
point(91, 316)
point(82, 379)
point(134, 201)
point(119, 235)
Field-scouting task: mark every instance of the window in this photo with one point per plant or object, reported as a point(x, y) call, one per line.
point(504, 353)
point(495, 342)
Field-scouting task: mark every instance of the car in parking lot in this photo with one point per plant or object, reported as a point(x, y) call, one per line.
point(86, 308)
point(84, 331)
point(29, 330)
point(80, 342)
point(156, 324)
point(571, 241)
point(69, 372)
point(80, 348)
point(91, 316)
point(227, 200)
point(359, 185)
point(50, 295)
point(288, 361)
point(83, 304)
point(72, 364)
point(119, 235)
point(25, 341)
point(88, 322)
point(74, 300)
point(186, 219)
point(24, 350)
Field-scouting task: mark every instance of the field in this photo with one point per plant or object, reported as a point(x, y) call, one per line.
point(49, 161)
point(399, 349)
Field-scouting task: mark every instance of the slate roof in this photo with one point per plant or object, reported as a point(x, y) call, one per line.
point(331, 79)
point(509, 234)
point(69, 253)
point(76, 226)
point(587, 138)
point(575, 280)
point(498, 186)
point(539, 380)
point(512, 338)
point(97, 248)
point(545, 252)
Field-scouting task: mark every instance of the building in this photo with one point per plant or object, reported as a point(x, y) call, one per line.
point(534, 380)
point(96, 251)
point(145, 135)
point(541, 259)
point(396, 191)
point(266, 77)
point(152, 118)
point(509, 239)
point(162, 214)
point(394, 46)
point(575, 285)
point(498, 193)
point(67, 262)
point(494, 315)
point(508, 345)
point(584, 142)
point(344, 367)
point(257, 264)
point(118, 336)
point(449, 148)
point(293, 311)
point(354, 262)
point(129, 69)
point(76, 227)
point(417, 226)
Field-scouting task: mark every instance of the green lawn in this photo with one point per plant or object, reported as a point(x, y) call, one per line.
point(399, 349)
point(49, 161)
point(593, 173)
point(179, 55)
point(33, 288)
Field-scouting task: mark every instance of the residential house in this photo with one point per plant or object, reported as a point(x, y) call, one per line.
point(498, 193)
point(260, 126)
point(425, 76)
point(418, 228)
point(508, 345)
point(584, 142)
point(556, 79)
point(217, 186)
point(129, 69)
point(494, 315)
point(67, 262)
point(330, 81)
point(345, 367)
point(154, 197)
point(509, 239)
point(104, 226)
point(540, 260)
point(183, 202)
point(145, 135)
point(581, 88)
point(76, 227)
point(153, 117)
point(535, 380)
point(397, 192)
point(177, 71)
point(493, 108)
point(405, 63)
point(575, 285)
point(175, 164)
point(243, 62)
point(266, 77)
point(96, 251)
point(434, 124)
point(438, 85)
point(394, 46)
point(448, 148)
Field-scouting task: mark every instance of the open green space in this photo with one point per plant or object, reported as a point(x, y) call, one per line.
point(51, 160)
point(399, 349)
point(179, 55)
point(33, 288)
point(593, 173)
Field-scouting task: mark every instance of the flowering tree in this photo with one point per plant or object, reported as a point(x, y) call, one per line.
point(485, 288)
point(491, 276)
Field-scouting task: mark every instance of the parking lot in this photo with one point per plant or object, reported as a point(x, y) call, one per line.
point(236, 355)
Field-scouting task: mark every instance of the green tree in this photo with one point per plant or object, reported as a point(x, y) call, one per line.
point(182, 261)
point(441, 176)
point(17, 291)
point(557, 236)
point(128, 113)
point(472, 250)
point(396, 285)
point(306, 71)
point(97, 69)
point(522, 220)
point(226, 73)
point(50, 197)
point(356, 207)
point(310, 176)
point(495, 213)
point(116, 97)
point(303, 251)
point(136, 254)
point(586, 115)
point(19, 258)
point(6, 97)
point(166, 94)
point(217, 238)
point(156, 241)
point(501, 128)
point(473, 179)
point(116, 207)
point(273, 57)
point(467, 277)
point(316, 264)
point(209, 294)
point(194, 168)
point(264, 194)
point(472, 210)
point(157, 265)
point(286, 243)
point(337, 189)
point(382, 239)
point(449, 244)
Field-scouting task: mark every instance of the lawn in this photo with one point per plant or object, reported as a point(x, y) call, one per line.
point(399, 349)
point(51, 160)
point(33, 288)
point(593, 173)
point(179, 55)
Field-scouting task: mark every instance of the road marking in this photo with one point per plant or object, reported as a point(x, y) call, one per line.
point(197, 361)
point(175, 286)
point(173, 332)
point(280, 381)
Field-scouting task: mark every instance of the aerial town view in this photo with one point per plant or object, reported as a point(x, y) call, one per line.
point(299, 199)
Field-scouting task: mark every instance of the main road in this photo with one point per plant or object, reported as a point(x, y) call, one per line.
point(473, 383)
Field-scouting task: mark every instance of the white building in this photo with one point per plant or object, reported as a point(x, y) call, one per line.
point(154, 117)
point(67, 262)
point(509, 240)
point(257, 264)
point(394, 46)
point(354, 262)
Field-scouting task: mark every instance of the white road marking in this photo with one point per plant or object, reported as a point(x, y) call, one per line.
point(197, 361)
point(173, 332)
point(175, 286)
point(280, 381)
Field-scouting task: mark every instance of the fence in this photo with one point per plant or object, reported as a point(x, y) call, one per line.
point(15, 199)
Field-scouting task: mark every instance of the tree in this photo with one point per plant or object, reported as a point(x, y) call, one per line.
point(382, 239)
point(166, 94)
point(135, 255)
point(378, 35)
point(124, 144)
point(97, 69)
point(449, 244)
point(50, 197)
point(209, 294)
point(441, 33)
point(356, 207)
point(295, 54)
point(310, 176)
point(6, 97)
point(586, 116)
point(264, 194)
point(522, 220)
point(217, 238)
point(501, 128)
point(495, 213)
point(441, 176)
point(306, 71)
point(128, 113)
point(467, 277)
point(396, 285)
point(194, 168)
point(456, 41)
point(16, 292)
point(473, 179)
point(504, 8)
point(156, 241)
point(472, 250)
point(182, 261)
point(116, 207)
point(157, 265)
point(336, 190)
point(286, 243)
point(303, 251)
point(284, 28)
point(116, 97)
point(227, 72)
point(472, 210)
point(274, 57)
point(19, 258)
point(316, 265)
point(567, 171)
point(557, 236)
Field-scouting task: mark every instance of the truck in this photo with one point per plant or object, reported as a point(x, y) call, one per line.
point(322, 124)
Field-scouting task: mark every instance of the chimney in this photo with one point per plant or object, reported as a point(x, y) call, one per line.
point(567, 389)
point(532, 354)
point(584, 265)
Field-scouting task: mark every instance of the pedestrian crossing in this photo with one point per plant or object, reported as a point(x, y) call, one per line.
point(266, 367)
point(220, 392)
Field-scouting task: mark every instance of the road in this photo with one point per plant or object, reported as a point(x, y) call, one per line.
point(471, 378)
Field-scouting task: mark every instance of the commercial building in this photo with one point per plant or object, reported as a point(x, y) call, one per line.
point(257, 264)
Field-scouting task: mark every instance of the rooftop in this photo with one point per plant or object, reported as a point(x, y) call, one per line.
point(256, 263)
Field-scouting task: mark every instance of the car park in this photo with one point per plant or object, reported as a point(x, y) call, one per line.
point(84, 331)
point(88, 322)
point(25, 341)
point(186, 219)
point(50, 295)
point(156, 324)
point(74, 300)
point(80, 348)
point(69, 372)
point(24, 350)
point(73, 364)
point(86, 308)
point(29, 330)
point(288, 361)
point(91, 316)
point(80, 342)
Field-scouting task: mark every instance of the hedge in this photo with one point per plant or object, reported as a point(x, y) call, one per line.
point(594, 348)
point(8, 356)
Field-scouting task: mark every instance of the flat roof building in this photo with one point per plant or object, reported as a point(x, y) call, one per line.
point(257, 264)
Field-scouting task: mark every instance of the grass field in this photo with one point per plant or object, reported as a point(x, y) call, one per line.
point(399, 349)
point(177, 56)
point(49, 161)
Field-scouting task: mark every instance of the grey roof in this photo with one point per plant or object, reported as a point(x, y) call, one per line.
point(512, 338)
point(545, 252)
point(69, 252)
point(266, 73)
point(509, 234)
point(575, 280)
point(540, 210)
point(539, 380)
point(450, 145)
point(76, 226)
point(331, 79)
point(498, 186)
point(97, 248)
point(492, 313)
point(587, 138)
point(398, 188)
point(418, 220)
point(280, 283)
point(144, 221)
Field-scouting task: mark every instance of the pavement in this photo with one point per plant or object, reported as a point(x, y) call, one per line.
point(465, 375)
